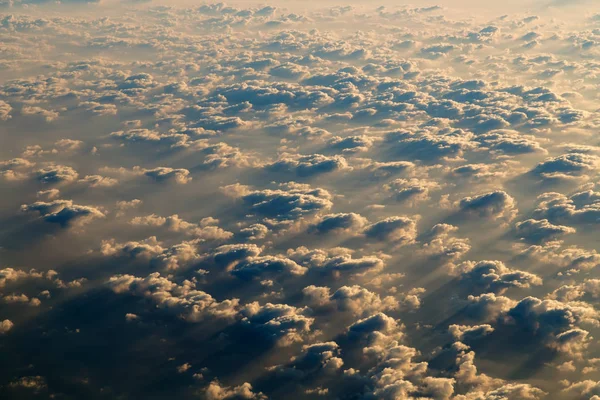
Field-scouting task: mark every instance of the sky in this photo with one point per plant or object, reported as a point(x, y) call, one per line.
point(345, 200)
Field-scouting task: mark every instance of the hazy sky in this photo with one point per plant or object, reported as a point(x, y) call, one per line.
point(299, 200)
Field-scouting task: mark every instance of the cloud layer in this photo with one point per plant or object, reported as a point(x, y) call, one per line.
point(299, 200)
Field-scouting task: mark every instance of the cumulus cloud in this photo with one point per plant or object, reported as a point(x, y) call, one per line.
point(280, 323)
point(193, 305)
point(266, 265)
point(152, 251)
point(5, 326)
point(337, 260)
point(159, 174)
point(402, 230)
point(341, 222)
point(567, 166)
point(580, 207)
point(203, 230)
point(64, 212)
point(56, 174)
point(305, 166)
point(495, 276)
point(494, 205)
point(290, 201)
point(215, 391)
point(353, 299)
point(535, 231)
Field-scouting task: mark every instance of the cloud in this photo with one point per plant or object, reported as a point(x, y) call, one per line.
point(567, 166)
point(215, 391)
point(465, 333)
point(536, 231)
point(279, 201)
point(353, 299)
point(402, 230)
point(336, 260)
point(64, 212)
point(280, 323)
point(159, 174)
point(305, 166)
point(265, 266)
point(56, 174)
point(494, 205)
point(204, 230)
point(341, 222)
point(5, 326)
point(193, 305)
point(33, 383)
point(412, 190)
point(496, 277)
point(581, 207)
point(152, 251)
point(5, 110)
point(98, 181)
point(179, 175)
point(291, 201)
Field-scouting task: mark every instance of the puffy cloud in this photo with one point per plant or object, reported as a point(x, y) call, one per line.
point(123, 205)
point(488, 306)
point(573, 165)
point(510, 142)
point(64, 212)
point(47, 115)
point(510, 391)
point(536, 231)
point(442, 245)
point(291, 201)
point(336, 260)
point(383, 169)
point(193, 305)
point(5, 110)
point(280, 323)
point(159, 174)
point(178, 175)
point(402, 230)
point(151, 250)
point(33, 383)
point(341, 222)
point(254, 232)
point(20, 278)
point(495, 276)
point(429, 146)
point(5, 326)
point(50, 194)
point(465, 333)
point(581, 207)
point(550, 323)
point(317, 358)
point(367, 327)
point(353, 299)
point(255, 267)
point(98, 181)
point(411, 190)
point(494, 205)
point(230, 253)
point(306, 166)
point(8, 275)
point(572, 257)
point(175, 224)
point(589, 288)
point(56, 174)
point(215, 391)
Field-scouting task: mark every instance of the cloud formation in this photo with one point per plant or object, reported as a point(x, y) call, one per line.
point(299, 200)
